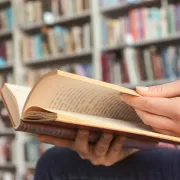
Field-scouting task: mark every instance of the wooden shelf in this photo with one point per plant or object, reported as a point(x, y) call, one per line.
point(116, 9)
point(59, 58)
point(5, 33)
point(6, 68)
point(174, 38)
point(7, 132)
point(170, 38)
point(112, 48)
point(4, 2)
point(7, 167)
point(68, 20)
point(149, 83)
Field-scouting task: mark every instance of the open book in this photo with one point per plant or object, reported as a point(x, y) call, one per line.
point(60, 103)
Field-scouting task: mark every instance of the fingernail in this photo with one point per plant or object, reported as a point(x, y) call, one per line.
point(142, 88)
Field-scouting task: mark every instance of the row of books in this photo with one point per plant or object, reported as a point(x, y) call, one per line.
point(106, 3)
point(6, 21)
point(6, 150)
point(137, 25)
point(6, 53)
point(7, 176)
point(135, 66)
point(4, 119)
point(49, 11)
point(52, 41)
point(34, 149)
point(81, 69)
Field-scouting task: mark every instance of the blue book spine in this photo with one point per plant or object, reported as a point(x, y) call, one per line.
point(38, 44)
point(8, 12)
point(163, 56)
point(158, 21)
point(178, 14)
point(58, 37)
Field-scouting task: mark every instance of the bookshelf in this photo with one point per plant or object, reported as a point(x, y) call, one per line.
point(5, 3)
point(93, 16)
point(76, 19)
point(63, 57)
point(174, 38)
point(125, 6)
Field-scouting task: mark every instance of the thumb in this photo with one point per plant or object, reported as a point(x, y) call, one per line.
point(165, 90)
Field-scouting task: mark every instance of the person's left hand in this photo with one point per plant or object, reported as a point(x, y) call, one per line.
point(159, 107)
point(107, 151)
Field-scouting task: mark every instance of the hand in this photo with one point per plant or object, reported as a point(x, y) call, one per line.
point(102, 153)
point(159, 107)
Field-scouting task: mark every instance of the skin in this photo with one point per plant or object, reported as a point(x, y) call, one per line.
point(158, 107)
point(105, 152)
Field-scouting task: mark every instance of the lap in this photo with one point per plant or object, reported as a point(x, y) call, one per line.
point(156, 164)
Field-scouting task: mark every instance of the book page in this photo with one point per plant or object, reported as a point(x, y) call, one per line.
point(73, 95)
point(15, 97)
point(121, 127)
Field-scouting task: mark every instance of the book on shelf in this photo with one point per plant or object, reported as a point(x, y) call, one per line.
point(6, 20)
point(34, 149)
point(136, 25)
point(6, 53)
point(74, 102)
point(6, 153)
point(107, 3)
point(136, 65)
point(55, 41)
point(33, 75)
point(7, 175)
point(51, 10)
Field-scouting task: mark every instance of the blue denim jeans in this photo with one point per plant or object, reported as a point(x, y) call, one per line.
point(64, 164)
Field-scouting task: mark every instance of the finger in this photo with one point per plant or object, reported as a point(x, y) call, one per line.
point(115, 149)
point(167, 146)
point(117, 152)
point(81, 143)
point(157, 122)
point(159, 106)
point(170, 133)
point(102, 145)
point(164, 90)
point(56, 141)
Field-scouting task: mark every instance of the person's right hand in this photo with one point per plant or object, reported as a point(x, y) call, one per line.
point(105, 152)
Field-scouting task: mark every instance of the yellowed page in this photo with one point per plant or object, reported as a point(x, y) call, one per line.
point(15, 97)
point(68, 93)
point(105, 124)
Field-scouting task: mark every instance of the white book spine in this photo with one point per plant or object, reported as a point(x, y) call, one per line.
point(86, 37)
point(129, 54)
point(164, 25)
point(148, 65)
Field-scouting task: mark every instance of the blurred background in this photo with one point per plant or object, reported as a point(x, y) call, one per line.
point(125, 42)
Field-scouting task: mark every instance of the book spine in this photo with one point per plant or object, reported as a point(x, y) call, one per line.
point(70, 134)
point(54, 131)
